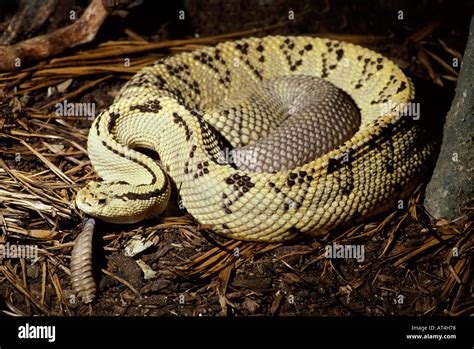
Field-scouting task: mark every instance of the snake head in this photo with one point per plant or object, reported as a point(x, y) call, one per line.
point(92, 199)
point(114, 202)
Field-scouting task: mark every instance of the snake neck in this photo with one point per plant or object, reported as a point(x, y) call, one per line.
point(164, 131)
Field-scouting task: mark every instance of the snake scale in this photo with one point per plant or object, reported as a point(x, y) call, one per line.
point(190, 108)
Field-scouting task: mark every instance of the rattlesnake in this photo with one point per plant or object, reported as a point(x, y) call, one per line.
point(191, 107)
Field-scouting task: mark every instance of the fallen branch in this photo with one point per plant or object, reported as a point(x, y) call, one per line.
point(82, 31)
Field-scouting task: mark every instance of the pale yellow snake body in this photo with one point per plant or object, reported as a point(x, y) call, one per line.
point(178, 106)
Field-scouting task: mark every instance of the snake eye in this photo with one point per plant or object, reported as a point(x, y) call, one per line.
point(102, 201)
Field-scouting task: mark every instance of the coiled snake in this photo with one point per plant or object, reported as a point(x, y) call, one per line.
point(341, 106)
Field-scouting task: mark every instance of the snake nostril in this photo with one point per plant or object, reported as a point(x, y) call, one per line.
point(102, 201)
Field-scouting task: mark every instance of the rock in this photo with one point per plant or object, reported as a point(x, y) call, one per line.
point(451, 188)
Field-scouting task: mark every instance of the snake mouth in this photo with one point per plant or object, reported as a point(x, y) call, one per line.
point(88, 202)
